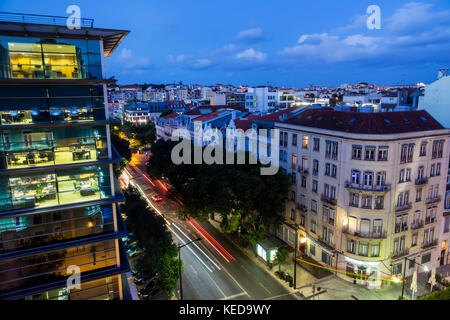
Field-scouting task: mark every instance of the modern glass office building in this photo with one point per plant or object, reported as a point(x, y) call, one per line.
point(58, 194)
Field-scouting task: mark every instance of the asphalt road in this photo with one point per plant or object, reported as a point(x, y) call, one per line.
point(214, 268)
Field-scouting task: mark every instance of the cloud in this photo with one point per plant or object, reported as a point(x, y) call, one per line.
point(252, 55)
point(129, 61)
point(255, 34)
point(190, 62)
point(415, 32)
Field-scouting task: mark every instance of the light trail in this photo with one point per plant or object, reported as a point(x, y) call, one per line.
point(212, 261)
point(190, 249)
point(204, 237)
point(211, 238)
point(163, 186)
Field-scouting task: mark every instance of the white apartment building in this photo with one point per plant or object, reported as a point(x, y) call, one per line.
point(437, 97)
point(261, 99)
point(368, 191)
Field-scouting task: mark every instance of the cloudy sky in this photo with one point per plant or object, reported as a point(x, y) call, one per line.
point(283, 42)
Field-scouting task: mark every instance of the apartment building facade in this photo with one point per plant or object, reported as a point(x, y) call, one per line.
point(367, 191)
point(59, 198)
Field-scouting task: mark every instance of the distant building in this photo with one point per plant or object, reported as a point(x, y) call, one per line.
point(436, 99)
point(261, 99)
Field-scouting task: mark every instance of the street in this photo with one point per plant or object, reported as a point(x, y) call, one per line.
point(214, 268)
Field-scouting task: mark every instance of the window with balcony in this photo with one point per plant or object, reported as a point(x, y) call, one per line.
point(368, 180)
point(401, 223)
point(354, 199)
point(328, 215)
point(356, 176)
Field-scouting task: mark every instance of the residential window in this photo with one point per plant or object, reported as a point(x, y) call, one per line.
point(294, 178)
point(312, 249)
point(447, 224)
point(350, 245)
point(370, 154)
point(379, 202)
point(354, 199)
point(294, 161)
point(326, 258)
point(368, 179)
point(315, 167)
point(302, 220)
point(401, 177)
point(367, 202)
point(418, 194)
point(414, 238)
point(438, 147)
point(375, 250)
point(313, 226)
point(423, 149)
point(433, 170)
point(314, 206)
point(333, 171)
point(293, 214)
point(316, 144)
point(315, 186)
point(426, 258)
point(292, 195)
point(438, 169)
point(356, 152)
point(356, 177)
point(381, 178)
point(294, 139)
point(327, 169)
point(305, 142)
point(303, 182)
point(382, 154)
point(408, 174)
point(363, 249)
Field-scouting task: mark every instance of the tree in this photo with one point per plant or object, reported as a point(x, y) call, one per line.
point(123, 148)
point(140, 135)
point(168, 270)
point(282, 255)
point(239, 193)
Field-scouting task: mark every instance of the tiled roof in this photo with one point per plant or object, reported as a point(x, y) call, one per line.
point(196, 111)
point(366, 123)
point(170, 116)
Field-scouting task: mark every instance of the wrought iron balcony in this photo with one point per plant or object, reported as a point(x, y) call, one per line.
point(433, 200)
point(417, 225)
point(400, 254)
point(302, 170)
point(328, 200)
point(421, 181)
point(301, 207)
point(429, 220)
point(370, 235)
point(404, 207)
point(372, 188)
point(429, 244)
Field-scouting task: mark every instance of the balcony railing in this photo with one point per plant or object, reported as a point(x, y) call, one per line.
point(399, 254)
point(326, 243)
point(43, 19)
point(370, 235)
point(421, 181)
point(433, 200)
point(302, 170)
point(328, 199)
point(403, 207)
point(429, 244)
point(429, 220)
point(401, 228)
point(373, 188)
point(417, 225)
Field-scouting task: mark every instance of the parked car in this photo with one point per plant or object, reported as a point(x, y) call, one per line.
point(143, 276)
point(149, 290)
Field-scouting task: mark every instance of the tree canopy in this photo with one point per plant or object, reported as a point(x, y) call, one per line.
point(140, 135)
point(239, 193)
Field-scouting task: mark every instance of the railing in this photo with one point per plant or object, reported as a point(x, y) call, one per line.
point(429, 244)
point(429, 220)
point(417, 225)
point(326, 243)
point(404, 207)
point(375, 188)
point(399, 254)
point(421, 181)
point(302, 170)
point(44, 19)
point(328, 200)
point(400, 228)
point(370, 235)
point(433, 200)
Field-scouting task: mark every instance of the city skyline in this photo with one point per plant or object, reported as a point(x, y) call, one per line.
point(287, 44)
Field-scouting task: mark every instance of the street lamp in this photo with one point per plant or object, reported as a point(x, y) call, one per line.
point(179, 264)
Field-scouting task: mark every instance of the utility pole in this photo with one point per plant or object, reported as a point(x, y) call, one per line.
point(295, 259)
point(403, 280)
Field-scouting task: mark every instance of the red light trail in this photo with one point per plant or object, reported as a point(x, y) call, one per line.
point(211, 238)
point(204, 237)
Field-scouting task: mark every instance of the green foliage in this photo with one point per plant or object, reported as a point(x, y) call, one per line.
point(152, 236)
point(143, 134)
point(123, 148)
point(282, 255)
point(168, 271)
point(239, 193)
point(438, 295)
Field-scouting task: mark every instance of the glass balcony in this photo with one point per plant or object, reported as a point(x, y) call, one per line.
point(53, 227)
point(54, 188)
point(50, 267)
point(42, 148)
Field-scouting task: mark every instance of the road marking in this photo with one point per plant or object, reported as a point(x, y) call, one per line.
point(245, 269)
point(282, 295)
point(217, 286)
point(264, 288)
point(190, 250)
point(197, 246)
point(193, 269)
point(235, 296)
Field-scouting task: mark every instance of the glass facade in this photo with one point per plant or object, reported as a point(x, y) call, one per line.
point(34, 58)
point(57, 104)
point(43, 189)
point(44, 147)
point(33, 230)
point(43, 268)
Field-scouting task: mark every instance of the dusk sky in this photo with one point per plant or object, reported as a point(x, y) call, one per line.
point(283, 43)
